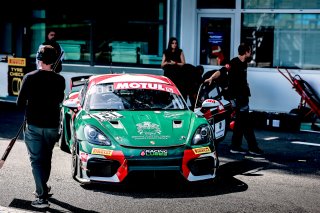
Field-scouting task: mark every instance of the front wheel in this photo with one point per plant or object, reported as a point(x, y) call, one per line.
point(305, 113)
point(75, 161)
point(62, 142)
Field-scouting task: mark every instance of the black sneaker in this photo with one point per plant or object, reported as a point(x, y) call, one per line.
point(238, 151)
point(256, 151)
point(40, 203)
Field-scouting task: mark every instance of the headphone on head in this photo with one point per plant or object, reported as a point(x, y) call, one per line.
point(47, 55)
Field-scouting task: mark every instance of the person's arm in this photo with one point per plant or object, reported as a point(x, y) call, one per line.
point(215, 75)
point(233, 79)
point(182, 59)
point(164, 62)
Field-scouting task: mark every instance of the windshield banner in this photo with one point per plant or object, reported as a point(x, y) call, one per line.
point(145, 85)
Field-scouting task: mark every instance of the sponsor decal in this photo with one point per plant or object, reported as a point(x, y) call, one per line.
point(16, 71)
point(151, 137)
point(201, 150)
point(146, 85)
point(97, 151)
point(21, 62)
point(211, 100)
point(148, 128)
point(107, 116)
point(219, 129)
point(154, 153)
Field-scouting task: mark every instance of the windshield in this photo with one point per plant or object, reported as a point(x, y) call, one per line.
point(105, 97)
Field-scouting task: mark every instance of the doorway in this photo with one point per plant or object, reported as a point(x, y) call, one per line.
point(215, 43)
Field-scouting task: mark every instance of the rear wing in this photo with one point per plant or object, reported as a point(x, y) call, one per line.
point(78, 81)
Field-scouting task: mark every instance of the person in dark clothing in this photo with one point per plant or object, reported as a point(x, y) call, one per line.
point(221, 78)
point(173, 62)
point(186, 77)
point(41, 94)
point(51, 40)
point(192, 79)
point(173, 55)
point(239, 92)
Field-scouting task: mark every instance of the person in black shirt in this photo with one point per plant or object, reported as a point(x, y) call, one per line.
point(239, 92)
point(214, 78)
point(41, 94)
point(221, 78)
point(52, 41)
point(192, 79)
point(173, 55)
point(173, 62)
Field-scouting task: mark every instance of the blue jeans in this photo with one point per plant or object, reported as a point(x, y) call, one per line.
point(40, 143)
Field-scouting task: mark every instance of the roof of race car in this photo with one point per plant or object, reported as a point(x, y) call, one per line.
point(112, 78)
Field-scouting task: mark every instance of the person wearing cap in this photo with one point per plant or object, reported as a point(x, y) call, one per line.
point(41, 94)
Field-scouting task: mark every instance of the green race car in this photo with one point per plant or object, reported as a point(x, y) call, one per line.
point(114, 124)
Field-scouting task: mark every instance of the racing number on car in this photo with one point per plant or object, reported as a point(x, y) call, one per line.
point(107, 116)
point(104, 89)
point(219, 129)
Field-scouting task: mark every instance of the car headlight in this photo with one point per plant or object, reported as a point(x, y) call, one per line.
point(203, 135)
point(94, 136)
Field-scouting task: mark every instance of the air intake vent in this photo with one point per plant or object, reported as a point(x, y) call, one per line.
point(177, 124)
point(116, 124)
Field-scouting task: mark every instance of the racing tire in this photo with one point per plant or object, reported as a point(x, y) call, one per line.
point(62, 142)
point(304, 113)
point(74, 162)
point(62, 139)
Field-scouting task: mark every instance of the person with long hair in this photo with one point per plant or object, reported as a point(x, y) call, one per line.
point(173, 61)
point(173, 55)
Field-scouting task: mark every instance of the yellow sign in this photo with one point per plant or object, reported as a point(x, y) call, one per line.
point(97, 151)
point(16, 71)
point(20, 62)
point(201, 150)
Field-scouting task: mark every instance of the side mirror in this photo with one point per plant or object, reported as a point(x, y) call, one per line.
point(210, 103)
point(71, 104)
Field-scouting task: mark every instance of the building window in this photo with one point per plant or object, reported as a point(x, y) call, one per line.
point(106, 35)
point(205, 4)
point(280, 4)
point(286, 40)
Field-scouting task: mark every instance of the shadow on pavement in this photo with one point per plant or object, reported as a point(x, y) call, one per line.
point(172, 185)
point(25, 205)
point(11, 119)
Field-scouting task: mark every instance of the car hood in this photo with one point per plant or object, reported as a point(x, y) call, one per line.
point(146, 128)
